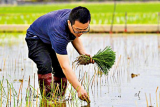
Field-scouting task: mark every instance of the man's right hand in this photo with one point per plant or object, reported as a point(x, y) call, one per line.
point(82, 94)
point(71, 77)
point(91, 60)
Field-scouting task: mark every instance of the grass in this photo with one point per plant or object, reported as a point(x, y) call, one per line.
point(137, 13)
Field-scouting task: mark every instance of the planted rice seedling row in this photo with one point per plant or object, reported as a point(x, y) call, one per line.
point(98, 18)
point(100, 7)
point(134, 54)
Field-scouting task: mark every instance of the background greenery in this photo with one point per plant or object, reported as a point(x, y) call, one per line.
point(101, 13)
point(24, 1)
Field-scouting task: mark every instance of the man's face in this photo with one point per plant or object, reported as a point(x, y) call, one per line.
point(78, 28)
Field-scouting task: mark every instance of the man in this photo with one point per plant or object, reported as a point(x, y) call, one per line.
point(47, 40)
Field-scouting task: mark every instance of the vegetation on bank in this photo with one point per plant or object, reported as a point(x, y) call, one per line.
point(137, 13)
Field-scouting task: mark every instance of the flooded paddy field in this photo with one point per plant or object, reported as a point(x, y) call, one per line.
point(133, 81)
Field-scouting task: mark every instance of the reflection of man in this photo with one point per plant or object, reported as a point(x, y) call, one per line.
point(47, 39)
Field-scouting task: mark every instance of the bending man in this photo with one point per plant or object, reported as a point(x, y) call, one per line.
point(47, 40)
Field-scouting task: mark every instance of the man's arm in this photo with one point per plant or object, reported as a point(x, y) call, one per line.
point(71, 77)
point(77, 43)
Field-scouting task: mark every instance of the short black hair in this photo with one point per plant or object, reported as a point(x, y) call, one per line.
point(80, 14)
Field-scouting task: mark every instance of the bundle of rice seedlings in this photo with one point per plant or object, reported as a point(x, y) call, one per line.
point(104, 59)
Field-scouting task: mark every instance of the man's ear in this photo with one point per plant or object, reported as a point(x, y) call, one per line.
point(68, 22)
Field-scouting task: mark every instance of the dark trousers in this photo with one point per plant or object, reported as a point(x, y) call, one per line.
point(44, 57)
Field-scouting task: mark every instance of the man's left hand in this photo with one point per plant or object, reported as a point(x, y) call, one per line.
point(90, 61)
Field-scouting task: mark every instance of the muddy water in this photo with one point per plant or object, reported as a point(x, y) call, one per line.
point(134, 74)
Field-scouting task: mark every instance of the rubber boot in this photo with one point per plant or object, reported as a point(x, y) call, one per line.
point(61, 85)
point(45, 81)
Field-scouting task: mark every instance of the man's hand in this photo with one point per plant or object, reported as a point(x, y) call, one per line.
point(71, 77)
point(82, 94)
point(90, 61)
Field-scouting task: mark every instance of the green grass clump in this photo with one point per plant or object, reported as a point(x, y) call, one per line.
point(104, 59)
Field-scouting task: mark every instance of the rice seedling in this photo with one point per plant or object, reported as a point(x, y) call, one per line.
point(156, 98)
point(10, 96)
point(104, 59)
point(159, 99)
point(156, 103)
point(1, 94)
point(134, 54)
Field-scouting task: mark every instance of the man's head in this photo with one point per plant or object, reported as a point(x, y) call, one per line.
point(79, 20)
